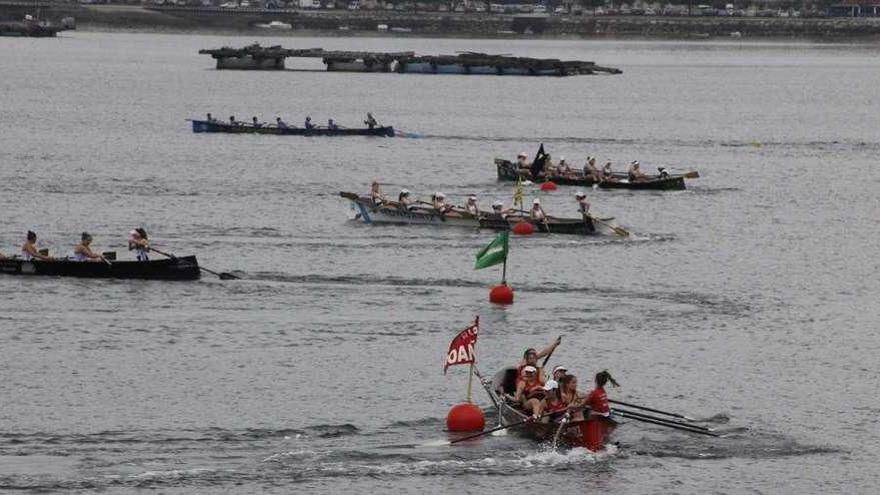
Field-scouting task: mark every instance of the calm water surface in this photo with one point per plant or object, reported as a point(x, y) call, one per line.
point(749, 300)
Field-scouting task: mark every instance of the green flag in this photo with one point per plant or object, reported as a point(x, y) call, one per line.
point(495, 252)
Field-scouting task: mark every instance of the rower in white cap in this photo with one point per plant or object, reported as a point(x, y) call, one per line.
point(584, 208)
point(471, 206)
point(438, 201)
point(403, 200)
point(537, 212)
point(635, 172)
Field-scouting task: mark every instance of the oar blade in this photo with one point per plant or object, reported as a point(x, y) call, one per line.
point(228, 276)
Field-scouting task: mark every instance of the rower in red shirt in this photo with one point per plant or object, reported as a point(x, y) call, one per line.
point(531, 357)
point(598, 425)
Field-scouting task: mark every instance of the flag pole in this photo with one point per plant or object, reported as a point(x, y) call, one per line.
point(470, 381)
point(504, 272)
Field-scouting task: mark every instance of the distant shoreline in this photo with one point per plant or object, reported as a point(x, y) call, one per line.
point(483, 26)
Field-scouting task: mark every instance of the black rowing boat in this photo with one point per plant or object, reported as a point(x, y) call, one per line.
point(183, 268)
point(508, 171)
point(246, 128)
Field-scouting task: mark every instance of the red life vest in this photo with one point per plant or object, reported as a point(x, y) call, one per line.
point(533, 389)
point(519, 374)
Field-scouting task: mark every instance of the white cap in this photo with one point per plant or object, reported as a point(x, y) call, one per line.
point(473, 197)
point(497, 204)
point(559, 368)
point(579, 194)
point(537, 201)
point(635, 162)
point(133, 232)
point(440, 195)
point(561, 158)
point(551, 385)
point(523, 154)
point(530, 369)
point(404, 191)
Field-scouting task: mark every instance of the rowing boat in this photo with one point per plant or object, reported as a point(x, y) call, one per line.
point(391, 213)
point(504, 382)
point(243, 128)
point(508, 171)
point(183, 268)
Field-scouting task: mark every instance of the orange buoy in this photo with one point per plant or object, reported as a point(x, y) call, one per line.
point(549, 186)
point(523, 228)
point(501, 294)
point(465, 417)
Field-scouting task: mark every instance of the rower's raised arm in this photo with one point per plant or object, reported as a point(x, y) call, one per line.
point(549, 348)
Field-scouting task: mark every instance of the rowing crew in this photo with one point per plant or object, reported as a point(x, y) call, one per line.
point(557, 398)
point(137, 242)
point(439, 205)
point(634, 172)
point(280, 124)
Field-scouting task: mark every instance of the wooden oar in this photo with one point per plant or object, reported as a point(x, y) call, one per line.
point(221, 276)
point(658, 411)
point(693, 174)
point(674, 426)
point(671, 421)
point(617, 230)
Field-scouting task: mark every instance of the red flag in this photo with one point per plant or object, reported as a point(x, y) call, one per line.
point(461, 350)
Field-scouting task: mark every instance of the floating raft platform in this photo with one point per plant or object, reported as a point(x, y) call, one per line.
point(256, 57)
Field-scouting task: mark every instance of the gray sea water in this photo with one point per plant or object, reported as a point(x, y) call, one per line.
point(749, 300)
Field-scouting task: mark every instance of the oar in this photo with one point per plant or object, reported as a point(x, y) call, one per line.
point(547, 357)
point(693, 174)
point(221, 276)
point(504, 427)
point(617, 230)
point(674, 426)
point(658, 411)
point(670, 421)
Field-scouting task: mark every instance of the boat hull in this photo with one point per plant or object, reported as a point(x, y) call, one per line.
point(184, 268)
point(537, 431)
point(199, 126)
point(368, 213)
point(507, 171)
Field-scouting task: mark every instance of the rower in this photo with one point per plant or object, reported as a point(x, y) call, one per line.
point(530, 393)
point(635, 173)
point(139, 243)
point(559, 372)
point(83, 250)
point(584, 208)
point(522, 161)
point(403, 200)
point(376, 193)
point(599, 424)
point(309, 124)
point(498, 210)
point(257, 123)
point(29, 250)
point(531, 356)
point(537, 213)
point(280, 123)
point(211, 119)
point(370, 122)
point(568, 391)
point(553, 402)
point(549, 167)
point(664, 174)
point(232, 120)
point(607, 173)
point(332, 125)
point(563, 169)
point(438, 201)
point(471, 206)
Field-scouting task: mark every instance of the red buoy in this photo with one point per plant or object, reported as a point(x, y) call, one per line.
point(501, 294)
point(523, 228)
point(465, 417)
point(549, 186)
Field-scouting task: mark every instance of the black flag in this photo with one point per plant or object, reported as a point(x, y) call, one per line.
point(538, 164)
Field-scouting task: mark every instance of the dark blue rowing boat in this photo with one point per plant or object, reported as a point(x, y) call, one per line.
point(247, 128)
point(183, 268)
